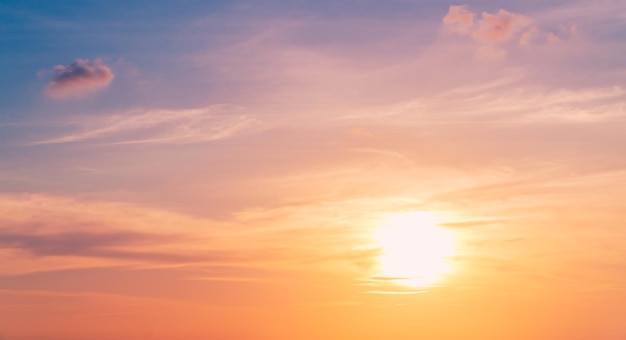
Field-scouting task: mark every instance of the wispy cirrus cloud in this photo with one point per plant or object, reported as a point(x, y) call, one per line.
point(512, 101)
point(80, 78)
point(46, 232)
point(158, 126)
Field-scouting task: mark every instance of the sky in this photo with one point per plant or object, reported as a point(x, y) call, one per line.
point(347, 169)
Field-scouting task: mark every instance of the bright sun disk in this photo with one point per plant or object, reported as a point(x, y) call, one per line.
point(415, 250)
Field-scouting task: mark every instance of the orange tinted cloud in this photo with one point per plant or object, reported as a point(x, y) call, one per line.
point(81, 77)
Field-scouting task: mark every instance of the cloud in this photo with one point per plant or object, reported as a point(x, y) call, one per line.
point(80, 78)
point(529, 36)
point(512, 100)
point(534, 35)
point(470, 223)
point(40, 232)
point(48, 232)
point(158, 126)
point(99, 245)
point(460, 18)
point(499, 27)
point(490, 52)
point(491, 28)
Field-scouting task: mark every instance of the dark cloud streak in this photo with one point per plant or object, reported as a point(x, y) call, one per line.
point(99, 245)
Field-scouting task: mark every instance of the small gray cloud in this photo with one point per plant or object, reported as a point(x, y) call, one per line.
point(81, 77)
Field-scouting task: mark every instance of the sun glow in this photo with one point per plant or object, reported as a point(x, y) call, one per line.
point(415, 249)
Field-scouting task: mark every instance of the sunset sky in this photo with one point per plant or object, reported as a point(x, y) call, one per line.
point(313, 170)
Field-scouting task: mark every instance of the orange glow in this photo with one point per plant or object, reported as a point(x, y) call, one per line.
point(313, 170)
point(415, 249)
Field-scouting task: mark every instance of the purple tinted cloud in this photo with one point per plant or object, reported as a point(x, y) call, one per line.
point(81, 77)
point(102, 245)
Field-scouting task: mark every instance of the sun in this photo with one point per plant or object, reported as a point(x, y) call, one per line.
point(415, 251)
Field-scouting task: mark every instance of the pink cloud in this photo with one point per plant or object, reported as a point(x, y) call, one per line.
point(499, 27)
point(536, 36)
point(459, 18)
point(81, 77)
point(490, 28)
point(531, 35)
point(490, 52)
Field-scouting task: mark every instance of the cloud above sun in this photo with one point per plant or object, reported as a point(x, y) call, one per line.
point(78, 79)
